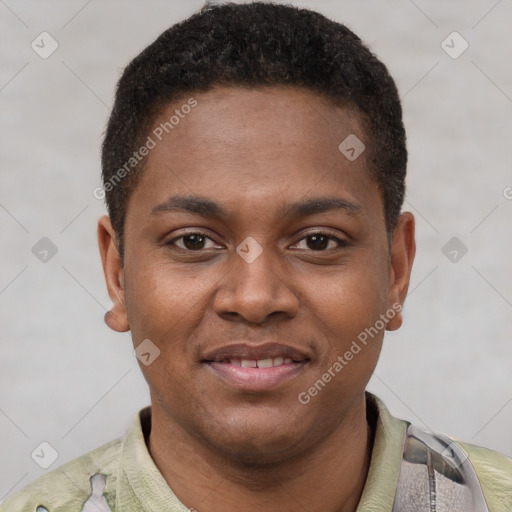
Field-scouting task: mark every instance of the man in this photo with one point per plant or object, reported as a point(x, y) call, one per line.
point(254, 166)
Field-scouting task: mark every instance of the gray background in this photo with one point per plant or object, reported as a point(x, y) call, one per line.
point(68, 380)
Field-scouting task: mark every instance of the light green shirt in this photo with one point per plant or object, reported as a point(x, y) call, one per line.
point(122, 477)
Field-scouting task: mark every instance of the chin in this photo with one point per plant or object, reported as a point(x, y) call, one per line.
point(256, 440)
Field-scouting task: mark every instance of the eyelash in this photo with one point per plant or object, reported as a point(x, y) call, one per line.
point(341, 243)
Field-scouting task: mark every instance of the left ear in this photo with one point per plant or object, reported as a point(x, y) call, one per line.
point(117, 317)
point(403, 249)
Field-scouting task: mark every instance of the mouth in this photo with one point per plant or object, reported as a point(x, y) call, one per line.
point(258, 363)
point(256, 368)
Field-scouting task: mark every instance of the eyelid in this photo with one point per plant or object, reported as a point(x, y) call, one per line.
point(188, 233)
point(342, 242)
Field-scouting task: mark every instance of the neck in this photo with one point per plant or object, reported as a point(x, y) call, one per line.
point(328, 477)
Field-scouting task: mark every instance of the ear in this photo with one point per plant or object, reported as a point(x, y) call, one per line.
point(116, 318)
point(403, 249)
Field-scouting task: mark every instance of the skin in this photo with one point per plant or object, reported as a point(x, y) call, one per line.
point(255, 152)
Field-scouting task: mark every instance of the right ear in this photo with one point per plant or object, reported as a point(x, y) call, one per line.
point(116, 318)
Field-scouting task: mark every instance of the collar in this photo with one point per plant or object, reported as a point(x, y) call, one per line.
point(382, 479)
point(141, 486)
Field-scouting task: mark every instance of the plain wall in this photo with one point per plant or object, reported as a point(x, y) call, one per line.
point(68, 380)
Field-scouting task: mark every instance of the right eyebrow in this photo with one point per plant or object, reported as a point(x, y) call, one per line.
point(193, 204)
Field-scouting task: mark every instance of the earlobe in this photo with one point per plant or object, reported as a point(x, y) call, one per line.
point(116, 318)
point(403, 250)
point(111, 319)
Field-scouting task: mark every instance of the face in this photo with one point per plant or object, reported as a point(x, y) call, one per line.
point(256, 254)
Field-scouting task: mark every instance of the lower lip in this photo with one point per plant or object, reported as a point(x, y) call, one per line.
point(256, 379)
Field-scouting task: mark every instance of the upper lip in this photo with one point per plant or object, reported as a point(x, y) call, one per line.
point(254, 352)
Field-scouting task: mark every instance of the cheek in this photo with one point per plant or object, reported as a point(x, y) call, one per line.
point(360, 287)
point(162, 301)
point(349, 306)
point(165, 306)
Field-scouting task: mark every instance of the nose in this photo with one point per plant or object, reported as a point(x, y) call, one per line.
point(255, 290)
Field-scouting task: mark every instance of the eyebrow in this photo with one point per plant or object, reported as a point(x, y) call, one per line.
point(207, 208)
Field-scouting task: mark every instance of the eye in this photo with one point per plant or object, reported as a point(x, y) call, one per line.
point(321, 242)
point(192, 242)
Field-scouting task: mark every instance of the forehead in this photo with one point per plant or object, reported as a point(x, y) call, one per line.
point(259, 145)
point(272, 116)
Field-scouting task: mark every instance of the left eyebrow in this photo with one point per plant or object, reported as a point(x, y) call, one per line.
point(322, 204)
point(207, 208)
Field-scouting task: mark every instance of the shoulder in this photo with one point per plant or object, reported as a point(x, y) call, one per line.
point(494, 471)
point(462, 475)
point(465, 476)
point(67, 488)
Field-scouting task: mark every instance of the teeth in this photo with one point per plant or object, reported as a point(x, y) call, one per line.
point(261, 363)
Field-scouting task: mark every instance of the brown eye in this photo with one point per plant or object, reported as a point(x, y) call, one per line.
point(193, 242)
point(317, 242)
point(321, 242)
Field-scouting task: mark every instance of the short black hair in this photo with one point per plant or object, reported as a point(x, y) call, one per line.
point(252, 45)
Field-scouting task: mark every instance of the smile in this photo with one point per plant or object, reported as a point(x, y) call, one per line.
point(256, 368)
point(261, 363)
